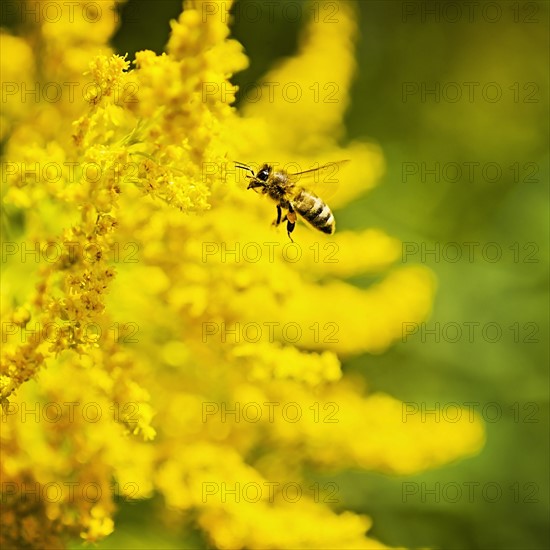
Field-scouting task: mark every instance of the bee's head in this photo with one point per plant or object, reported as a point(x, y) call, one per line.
point(260, 179)
point(264, 172)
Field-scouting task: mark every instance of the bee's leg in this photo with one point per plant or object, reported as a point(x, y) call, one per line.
point(291, 221)
point(279, 214)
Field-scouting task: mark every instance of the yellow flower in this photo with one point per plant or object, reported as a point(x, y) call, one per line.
point(178, 343)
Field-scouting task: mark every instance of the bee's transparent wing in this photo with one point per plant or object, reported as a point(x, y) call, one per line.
point(324, 171)
point(324, 180)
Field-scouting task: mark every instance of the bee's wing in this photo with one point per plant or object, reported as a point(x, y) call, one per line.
point(325, 171)
point(324, 179)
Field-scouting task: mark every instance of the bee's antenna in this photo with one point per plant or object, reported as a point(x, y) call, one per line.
point(244, 167)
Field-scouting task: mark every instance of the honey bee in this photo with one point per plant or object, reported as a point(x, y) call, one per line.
point(282, 187)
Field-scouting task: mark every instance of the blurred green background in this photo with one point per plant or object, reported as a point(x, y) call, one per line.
point(407, 44)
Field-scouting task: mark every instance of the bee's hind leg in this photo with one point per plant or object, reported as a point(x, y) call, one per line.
point(291, 222)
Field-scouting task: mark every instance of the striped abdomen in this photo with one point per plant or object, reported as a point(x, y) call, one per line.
point(314, 211)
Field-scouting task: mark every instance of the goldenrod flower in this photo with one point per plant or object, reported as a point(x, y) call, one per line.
point(176, 342)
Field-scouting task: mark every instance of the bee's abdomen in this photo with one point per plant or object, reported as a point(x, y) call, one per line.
point(314, 211)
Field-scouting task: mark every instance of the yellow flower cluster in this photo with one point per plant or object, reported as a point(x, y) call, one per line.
point(158, 335)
